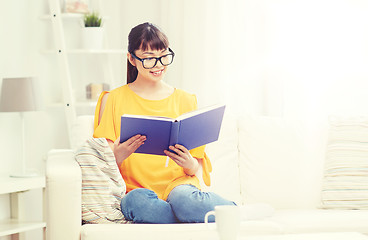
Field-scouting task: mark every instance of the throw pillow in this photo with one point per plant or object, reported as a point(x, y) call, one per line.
point(345, 183)
point(102, 185)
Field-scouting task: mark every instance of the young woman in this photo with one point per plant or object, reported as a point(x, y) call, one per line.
point(156, 193)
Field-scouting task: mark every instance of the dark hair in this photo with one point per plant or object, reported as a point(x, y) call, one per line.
point(144, 36)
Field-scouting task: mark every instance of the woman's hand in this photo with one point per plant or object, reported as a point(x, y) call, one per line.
point(125, 149)
point(183, 158)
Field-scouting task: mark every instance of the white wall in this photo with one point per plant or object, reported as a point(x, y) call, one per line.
point(23, 37)
point(21, 40)
point(314, 53)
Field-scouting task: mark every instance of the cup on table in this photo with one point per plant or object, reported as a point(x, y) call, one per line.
point(227, 220)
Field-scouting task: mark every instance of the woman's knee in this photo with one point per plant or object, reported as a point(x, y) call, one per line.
point(191, 204)
point(137, 196)
point(135, 199)
point(143, 206)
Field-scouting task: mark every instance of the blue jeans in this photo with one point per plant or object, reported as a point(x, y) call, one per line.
point(185, 204)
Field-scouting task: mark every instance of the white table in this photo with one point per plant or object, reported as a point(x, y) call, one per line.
point(16, 225)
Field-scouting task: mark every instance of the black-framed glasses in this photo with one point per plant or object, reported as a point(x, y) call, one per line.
point(151, 62)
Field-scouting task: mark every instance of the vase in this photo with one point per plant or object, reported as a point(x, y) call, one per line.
point(92, 37)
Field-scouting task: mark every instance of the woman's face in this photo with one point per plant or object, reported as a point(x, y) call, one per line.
point(147, 72)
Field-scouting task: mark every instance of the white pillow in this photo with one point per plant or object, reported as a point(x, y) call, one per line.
point(345, 184)
point(281, 161)
point(81, 131)
point(102, 185)
point(224, 158)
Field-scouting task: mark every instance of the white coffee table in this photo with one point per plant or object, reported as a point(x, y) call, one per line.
point(310, 236)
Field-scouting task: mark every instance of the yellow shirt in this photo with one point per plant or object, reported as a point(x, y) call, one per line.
point(145, 170)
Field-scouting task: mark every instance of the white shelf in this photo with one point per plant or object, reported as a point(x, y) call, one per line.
point(71, 16)
point(65, 35)
point(64, 16)
point(81, 104)
point(87, 51)
point(13, 226)
point(86, 104)
point(104, 51)
point(12, 184)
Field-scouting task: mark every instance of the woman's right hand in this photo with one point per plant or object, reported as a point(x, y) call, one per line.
point(125, 149)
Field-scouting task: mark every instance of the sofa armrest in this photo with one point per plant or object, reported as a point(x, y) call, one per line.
point(63, 196)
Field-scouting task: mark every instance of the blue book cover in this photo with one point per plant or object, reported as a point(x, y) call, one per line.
point(192, 129)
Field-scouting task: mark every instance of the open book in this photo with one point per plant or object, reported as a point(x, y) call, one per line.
point(192, 129)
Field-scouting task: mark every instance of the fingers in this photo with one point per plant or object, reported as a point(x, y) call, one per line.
point(133, 140)
point(179, 149)
point(180, 154)
point(175, 157)
point(132, 143)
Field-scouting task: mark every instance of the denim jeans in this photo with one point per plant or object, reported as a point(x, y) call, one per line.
point(185, 204)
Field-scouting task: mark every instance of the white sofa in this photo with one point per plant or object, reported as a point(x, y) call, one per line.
point(256, 160)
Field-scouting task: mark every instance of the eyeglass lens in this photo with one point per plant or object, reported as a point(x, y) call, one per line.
point(151, 62)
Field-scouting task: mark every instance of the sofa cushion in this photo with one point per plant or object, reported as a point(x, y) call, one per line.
point(81, 130)
point(346, 171)
point(224, 158)
point(170, 231)
point(281, 161)
point(320, 220)
point(102, 185)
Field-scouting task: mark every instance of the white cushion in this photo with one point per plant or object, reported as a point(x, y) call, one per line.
point(170, 231)
point(346, 173)
point(224, 158)
point(318, 220)
point(281, 161)
point(102, 184)
point(81, 130)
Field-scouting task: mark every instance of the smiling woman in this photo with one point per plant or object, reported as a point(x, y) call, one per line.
point(145, 39)
point(157, 188)
point(152, 61)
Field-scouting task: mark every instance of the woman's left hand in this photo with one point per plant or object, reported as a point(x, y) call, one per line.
point(183, 158)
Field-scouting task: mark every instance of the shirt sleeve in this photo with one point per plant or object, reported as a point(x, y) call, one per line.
point(97, 110)
point(106, 128)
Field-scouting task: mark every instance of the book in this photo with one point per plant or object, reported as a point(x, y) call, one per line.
point(192, 129)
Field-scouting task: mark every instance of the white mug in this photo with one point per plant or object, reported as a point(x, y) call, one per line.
point(227, 220)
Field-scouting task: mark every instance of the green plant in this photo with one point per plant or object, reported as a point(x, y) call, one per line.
point(92, 20)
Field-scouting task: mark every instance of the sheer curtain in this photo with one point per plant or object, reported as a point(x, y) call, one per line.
point(305, 58)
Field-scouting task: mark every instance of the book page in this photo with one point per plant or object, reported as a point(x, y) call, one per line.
point(198, 111)
point(149, 117)
point(201, 128)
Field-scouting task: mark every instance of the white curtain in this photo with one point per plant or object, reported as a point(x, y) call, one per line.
point(304, 58)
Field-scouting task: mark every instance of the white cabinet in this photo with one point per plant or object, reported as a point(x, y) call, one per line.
point(16, 188)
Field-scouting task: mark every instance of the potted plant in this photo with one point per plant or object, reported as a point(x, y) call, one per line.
point(93, 31)
point(92, 20)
